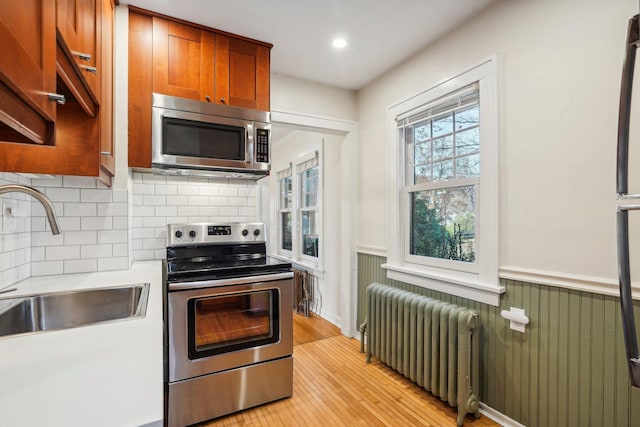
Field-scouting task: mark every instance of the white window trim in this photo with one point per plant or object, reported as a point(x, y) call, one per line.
point(291, 210)
point(483, 285)
point(296, 256)
point(299, 169)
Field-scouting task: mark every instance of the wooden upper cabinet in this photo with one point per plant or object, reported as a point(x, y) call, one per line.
point(27, 71)
point(242, 73)
point(178, 58)
point(69, 138)
point(78, 24)
point(195, 63)
point(182, 60)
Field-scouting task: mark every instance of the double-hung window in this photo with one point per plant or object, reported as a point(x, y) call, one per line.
point(299, 209)
point(442, 173)
point(308, 177)
point(285, 210)
point(444, 201)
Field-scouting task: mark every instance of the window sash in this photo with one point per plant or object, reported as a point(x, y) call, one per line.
point(433, 261)
point(285, 209)
point(482, 285)
point(309, 183)
point(305, 209)
point(447, 105)
point(463, 97)
point(308, 207)
point(455, 153)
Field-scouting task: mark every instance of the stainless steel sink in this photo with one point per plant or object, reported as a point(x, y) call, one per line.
point(62, 310)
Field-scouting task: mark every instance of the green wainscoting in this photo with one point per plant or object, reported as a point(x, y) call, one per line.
point(568, 369)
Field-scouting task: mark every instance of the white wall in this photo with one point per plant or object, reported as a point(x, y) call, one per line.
point(327, 293)
point(559, 77)
point(318, 107)
point(290, 94)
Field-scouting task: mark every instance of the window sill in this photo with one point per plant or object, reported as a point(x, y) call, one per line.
point(314, 269)
point(451, 284)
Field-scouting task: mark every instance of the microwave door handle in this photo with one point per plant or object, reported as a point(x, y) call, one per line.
point(624, 115)
point(249, 145)
point(626, 299)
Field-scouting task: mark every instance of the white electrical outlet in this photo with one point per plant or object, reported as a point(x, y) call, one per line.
point(8, 215)
point(517, 318)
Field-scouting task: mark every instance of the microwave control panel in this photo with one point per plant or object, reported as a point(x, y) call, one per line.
point(262, 146)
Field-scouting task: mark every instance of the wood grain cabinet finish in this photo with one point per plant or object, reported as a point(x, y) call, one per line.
point(186, 60)
point(27, 72)
point(73, 134)
point(242, 73)
point(182, 60)
point(78, 24)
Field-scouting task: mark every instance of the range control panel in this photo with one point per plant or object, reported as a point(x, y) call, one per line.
point(208, 233)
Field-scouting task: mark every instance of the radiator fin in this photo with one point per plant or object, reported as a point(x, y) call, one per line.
point(431, 342)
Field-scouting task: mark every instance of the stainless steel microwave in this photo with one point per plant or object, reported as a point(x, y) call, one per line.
point(199, 138)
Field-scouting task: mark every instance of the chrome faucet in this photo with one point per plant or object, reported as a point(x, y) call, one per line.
point(44, 200)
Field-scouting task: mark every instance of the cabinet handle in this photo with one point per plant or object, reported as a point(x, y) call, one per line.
point(57, 98)
point(92, 70)
point(83, 56)
point(222, 100)
point(105, 153)
point(208, 98)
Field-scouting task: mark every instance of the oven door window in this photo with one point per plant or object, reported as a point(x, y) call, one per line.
point(231, 322)
point(200, 139)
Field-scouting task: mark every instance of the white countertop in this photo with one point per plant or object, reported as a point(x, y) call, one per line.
point(101, 375)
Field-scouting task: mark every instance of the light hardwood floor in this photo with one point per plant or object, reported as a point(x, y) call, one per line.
point(334, 386)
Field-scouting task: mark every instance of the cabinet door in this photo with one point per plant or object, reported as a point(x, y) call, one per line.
point(182, 60)
point(242, 73)
point(27, 40)
point(78, 22)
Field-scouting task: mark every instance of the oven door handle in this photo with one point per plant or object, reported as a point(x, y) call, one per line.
point(181, 286)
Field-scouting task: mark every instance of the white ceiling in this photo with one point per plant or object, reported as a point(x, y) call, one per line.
point(381, 33)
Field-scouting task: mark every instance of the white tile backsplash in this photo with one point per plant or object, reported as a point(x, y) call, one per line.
point(80, 209)
point(113, 263)
point(107, 229)
point(98, 195)
point(57, 253)
point(80, 265)
point(88, 214)
point(15, 254)
point(62, 194)
point(46, 268)
point(80, 237)
point(160, 200)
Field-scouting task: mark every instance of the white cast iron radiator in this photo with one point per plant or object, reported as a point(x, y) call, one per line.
point(431, 342)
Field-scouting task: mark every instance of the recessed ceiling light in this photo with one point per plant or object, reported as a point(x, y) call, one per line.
point(339, 43)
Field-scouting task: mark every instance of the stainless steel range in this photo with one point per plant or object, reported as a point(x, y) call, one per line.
point(228, 311)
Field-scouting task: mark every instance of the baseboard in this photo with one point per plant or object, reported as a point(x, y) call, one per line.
point(326, 315)
point(498, 417)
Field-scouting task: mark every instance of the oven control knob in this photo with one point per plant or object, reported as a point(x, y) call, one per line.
point(178, 234)
point(192, 233)
point(245, 232)
point(256, 232)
